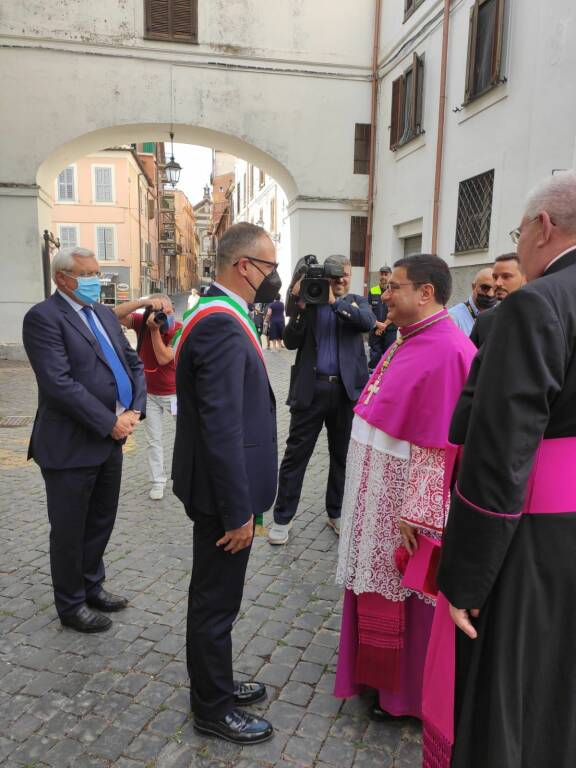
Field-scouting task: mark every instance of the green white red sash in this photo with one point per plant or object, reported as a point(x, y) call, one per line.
point(209, 305)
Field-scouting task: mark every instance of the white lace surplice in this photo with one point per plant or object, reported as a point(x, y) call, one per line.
point(386, 480)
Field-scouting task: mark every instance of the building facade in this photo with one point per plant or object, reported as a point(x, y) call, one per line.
point(107, 202)
point(257, 198)
point(377, 155)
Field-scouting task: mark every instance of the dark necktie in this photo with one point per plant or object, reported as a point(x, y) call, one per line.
point(123, 383)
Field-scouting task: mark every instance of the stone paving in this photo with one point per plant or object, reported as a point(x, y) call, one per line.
point(121, 699)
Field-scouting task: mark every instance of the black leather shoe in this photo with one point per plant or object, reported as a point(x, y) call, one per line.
point(238, 726)
point(106, 602)
point(249, 693)
point(86, 620)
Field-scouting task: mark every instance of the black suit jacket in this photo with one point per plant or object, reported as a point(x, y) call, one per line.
point(482, 326)
point(76, 386)
point(354, 318)
point(225, 454)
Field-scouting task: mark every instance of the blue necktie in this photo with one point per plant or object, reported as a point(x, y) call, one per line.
point(123, 383)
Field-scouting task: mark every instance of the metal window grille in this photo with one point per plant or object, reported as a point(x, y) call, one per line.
point(474, 212)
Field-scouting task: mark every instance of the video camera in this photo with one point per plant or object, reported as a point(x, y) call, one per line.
point(315, 282)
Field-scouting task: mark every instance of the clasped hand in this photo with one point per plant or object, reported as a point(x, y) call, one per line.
point(125, 424)
point(237, 539)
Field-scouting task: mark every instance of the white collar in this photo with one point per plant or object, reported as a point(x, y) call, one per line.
point(572, 247)
point(228, 292)
point(74, 304)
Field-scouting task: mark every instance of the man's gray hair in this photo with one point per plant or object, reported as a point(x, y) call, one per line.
point(64, 261)
point(238, 240)
point(557, 196)
point(339, 259)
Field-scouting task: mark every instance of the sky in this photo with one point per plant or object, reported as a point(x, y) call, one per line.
point(196, 165)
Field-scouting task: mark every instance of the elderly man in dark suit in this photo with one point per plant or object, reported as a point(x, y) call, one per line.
point(329, 374)
point(91, 393)
point(224, 470)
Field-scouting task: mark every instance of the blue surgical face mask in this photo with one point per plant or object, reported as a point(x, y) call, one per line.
point(169, 324)
point(88, 289)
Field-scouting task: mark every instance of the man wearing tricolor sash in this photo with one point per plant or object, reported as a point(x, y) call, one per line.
point(225, 470)
point(500, 690)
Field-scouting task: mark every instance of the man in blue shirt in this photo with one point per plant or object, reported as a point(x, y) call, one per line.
point(326, 380)
point(481, 298)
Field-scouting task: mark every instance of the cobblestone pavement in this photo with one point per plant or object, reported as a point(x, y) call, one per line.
point(121, 699)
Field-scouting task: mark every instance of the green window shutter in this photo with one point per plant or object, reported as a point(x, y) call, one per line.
point(149, 146)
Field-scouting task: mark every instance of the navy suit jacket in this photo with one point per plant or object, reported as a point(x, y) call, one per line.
point(354, 318)
point(225, 454)
point(76, 386)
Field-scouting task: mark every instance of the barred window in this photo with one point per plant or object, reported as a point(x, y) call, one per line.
point(407, 98)
point(358, 233)
point(485, 38)
point(474, 212)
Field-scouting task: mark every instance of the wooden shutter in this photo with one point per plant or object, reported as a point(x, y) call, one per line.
point(471, 63)
point(396, 111)
point(362, 132)
point(174, 20)
point(151, 207)
point(497, 42)
point(358, 234)
point(419, 95)
point(413, 111)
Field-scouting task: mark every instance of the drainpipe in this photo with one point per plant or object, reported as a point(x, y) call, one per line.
point(441, 120)
point(372, 156)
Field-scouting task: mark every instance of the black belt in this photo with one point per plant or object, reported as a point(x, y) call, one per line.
point(328, 378)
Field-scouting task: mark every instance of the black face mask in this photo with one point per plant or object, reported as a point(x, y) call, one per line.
point(485, 302)
point(268, 289)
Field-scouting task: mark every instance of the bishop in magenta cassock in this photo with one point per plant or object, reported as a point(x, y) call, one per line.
point(394, 478)
point(500, 691)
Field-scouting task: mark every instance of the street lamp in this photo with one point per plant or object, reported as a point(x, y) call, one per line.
point(172, 168)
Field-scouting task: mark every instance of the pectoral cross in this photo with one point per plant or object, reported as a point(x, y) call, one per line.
point(372, 389)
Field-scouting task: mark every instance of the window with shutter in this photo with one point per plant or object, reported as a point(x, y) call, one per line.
point(485, 47)
point(68, 236)
point(407, 101)
point(410, 6)
point(362, 147)
point(103, 184)
point(358, 233)
point(66, 191)
point(173, 20)
point(149, 147)
point(105, 243)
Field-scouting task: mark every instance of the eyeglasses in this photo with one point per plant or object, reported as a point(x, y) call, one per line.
point(272, 264)
point(396, 286)
point(515, 233)
point(81, 274)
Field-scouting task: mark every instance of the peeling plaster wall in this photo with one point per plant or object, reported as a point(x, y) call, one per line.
point(522, 129)
point(312, 30)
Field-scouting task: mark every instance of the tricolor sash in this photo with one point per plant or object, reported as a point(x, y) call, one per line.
point(209, 305)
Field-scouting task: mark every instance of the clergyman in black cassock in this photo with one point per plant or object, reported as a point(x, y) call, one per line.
point(505, 555)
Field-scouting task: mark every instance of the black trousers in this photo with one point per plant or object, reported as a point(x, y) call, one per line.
point(214, 600)
point(82, 506)
point(331, 407)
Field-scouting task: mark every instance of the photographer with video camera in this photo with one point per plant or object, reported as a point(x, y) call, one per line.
point(155, 328)
point(326, 326)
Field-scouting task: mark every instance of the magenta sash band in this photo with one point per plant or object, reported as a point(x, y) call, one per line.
point(552, 484)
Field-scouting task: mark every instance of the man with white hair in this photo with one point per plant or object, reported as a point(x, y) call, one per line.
point(507, 569)
point(91, 394)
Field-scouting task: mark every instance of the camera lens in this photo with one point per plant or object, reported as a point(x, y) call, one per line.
point(315, 290)
point(160, 317)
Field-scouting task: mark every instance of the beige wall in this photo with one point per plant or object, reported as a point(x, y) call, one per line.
point(126, 215)
point(188, 240)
